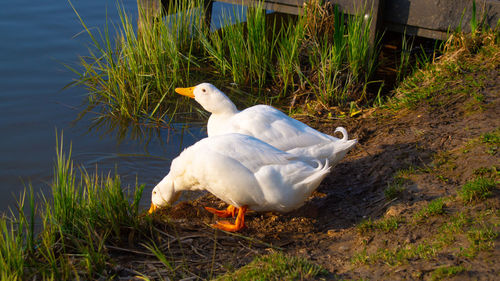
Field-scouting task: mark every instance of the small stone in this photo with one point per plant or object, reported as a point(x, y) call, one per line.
point(408, 240)
point(392, 211)
point(343, 248)
point(332, 232)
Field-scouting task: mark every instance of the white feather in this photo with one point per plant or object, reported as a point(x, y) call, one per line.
point(242, 170)
point(269, 125)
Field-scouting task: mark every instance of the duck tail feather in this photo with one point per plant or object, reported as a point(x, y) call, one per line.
point(318, 175)
point(343, 131)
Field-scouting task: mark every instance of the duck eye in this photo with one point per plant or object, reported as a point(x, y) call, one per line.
point(154, 192)
point(203, 90)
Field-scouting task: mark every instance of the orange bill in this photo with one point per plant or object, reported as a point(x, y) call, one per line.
point(152, 209)
point(188, 92)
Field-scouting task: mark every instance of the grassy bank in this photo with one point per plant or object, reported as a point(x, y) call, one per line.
point(84, 214)
point(268, 59)
point(91, 226)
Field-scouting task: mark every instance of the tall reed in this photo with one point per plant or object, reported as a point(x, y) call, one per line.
point(132, 76)
point(342, 60)
point(403, 68)
point(290, 40)
point(361, 56)
point(84, 215)
point(12, 249)
point(245, 50)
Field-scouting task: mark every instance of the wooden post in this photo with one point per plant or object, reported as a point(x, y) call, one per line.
point(376, 20)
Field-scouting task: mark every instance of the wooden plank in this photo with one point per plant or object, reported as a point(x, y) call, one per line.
point(276, 6)
point(417, 31)
point(376, 22)
point(431, 18)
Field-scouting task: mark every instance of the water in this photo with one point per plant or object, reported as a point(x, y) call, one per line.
point(36, 38)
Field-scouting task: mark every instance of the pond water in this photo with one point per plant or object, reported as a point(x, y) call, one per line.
point(37, 37)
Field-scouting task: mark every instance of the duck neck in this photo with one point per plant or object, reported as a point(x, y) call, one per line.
point(225, 108)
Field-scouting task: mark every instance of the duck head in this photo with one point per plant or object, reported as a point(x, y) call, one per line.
point(163, 194)
point(209, 97)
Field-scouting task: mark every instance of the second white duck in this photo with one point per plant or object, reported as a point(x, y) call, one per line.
point(267, 124)
point(245, 173)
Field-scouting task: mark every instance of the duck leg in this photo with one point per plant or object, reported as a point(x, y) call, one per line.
point(238, 224)
point(229, 212)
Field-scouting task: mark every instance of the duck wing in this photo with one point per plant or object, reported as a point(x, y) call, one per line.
point(251, 152)
point(276, 128)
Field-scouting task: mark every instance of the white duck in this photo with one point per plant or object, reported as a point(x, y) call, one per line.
point(267, 124)
point(244, 172)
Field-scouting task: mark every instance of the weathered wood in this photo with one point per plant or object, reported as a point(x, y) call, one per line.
point(293, 7)
point(434, 18)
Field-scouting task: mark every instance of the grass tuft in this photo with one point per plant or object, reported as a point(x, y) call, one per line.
point(481, 239)
point(492, 141)
point(397, 256)
point(433, 208)
point(393, 190)
point(445, 272)
point(276, 266)
point(84, 215)
point(477, 189)
point(385, 225)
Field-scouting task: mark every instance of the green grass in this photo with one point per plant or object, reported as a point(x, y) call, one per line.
point(446, 272)
point(404, 67)
point(385, 225)
point(84, 214)
point(276, 266)
point(398, 255)
point(344, 60)
point(287, 72)
point(464, 234)
point(12, 249)
point(449, 231)
point(492, 141)
point(130, 76)
point(463, 55)
point(477, 189)
point(433, 208)
point(394, 190)
point(244, 50)
point(481, 238)
point(487, 171)
point(361, 56)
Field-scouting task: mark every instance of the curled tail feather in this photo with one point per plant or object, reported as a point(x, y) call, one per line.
point(343, 131)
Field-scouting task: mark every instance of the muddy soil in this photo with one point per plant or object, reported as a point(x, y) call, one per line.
point(325, 229)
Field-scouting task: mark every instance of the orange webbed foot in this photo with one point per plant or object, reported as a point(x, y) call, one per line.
point(229, 212)
point(238, 224)
point(227, 226)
